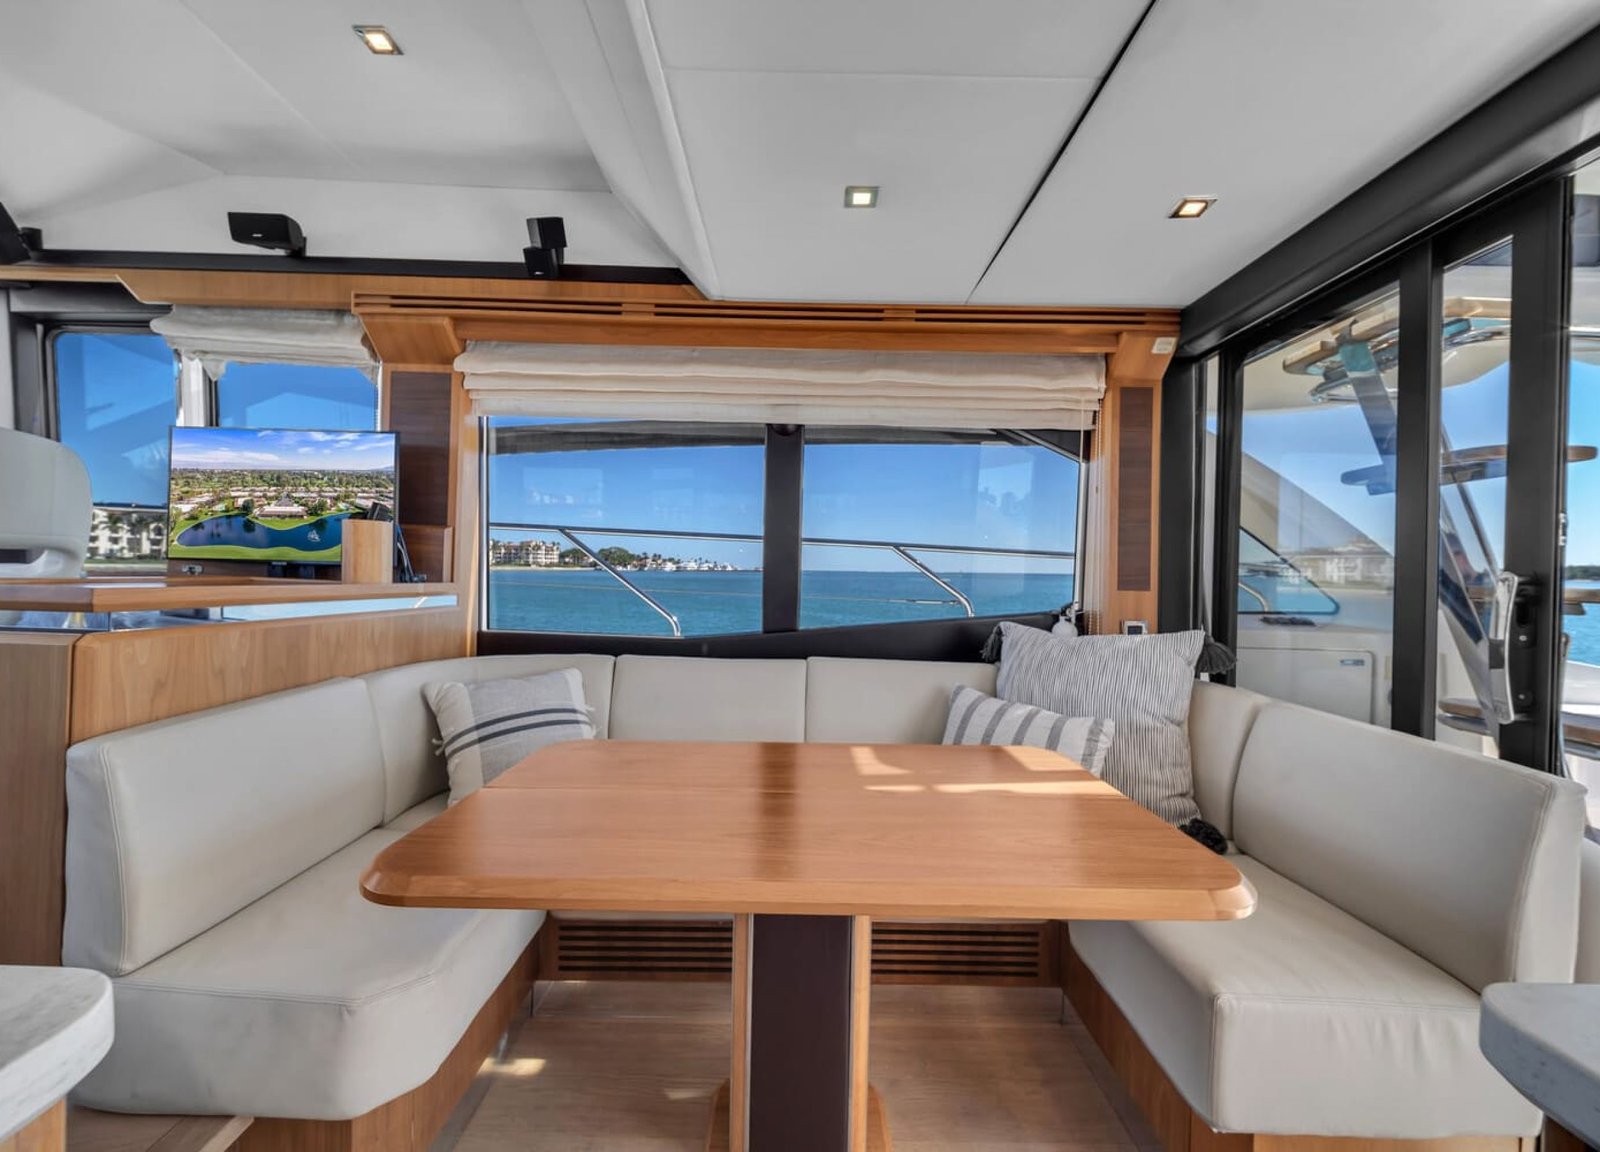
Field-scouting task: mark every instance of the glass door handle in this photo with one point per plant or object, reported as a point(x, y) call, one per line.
point(1508, 629)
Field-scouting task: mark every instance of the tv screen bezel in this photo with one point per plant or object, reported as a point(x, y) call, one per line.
point(170, 536)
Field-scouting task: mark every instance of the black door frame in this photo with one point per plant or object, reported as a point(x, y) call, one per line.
point(1538, 221)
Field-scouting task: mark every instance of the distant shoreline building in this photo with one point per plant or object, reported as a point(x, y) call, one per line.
point(127, 534)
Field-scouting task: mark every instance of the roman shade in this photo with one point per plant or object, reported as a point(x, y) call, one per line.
point(784, 386)
point(220, 336)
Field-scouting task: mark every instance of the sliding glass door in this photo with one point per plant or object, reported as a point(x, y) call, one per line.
point(1394, 456)
point(1580, 693)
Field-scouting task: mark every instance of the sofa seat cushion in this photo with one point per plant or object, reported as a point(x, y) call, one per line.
point(1301, 1019)
point(856, 701)
point(708, 698)
point(310, 1003)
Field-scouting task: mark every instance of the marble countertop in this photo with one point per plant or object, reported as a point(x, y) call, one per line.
point(55, 1025)
point(1545, 1039)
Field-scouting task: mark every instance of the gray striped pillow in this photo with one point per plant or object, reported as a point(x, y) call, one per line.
point(976, 718)
point(488, 726)
point(1143, 683)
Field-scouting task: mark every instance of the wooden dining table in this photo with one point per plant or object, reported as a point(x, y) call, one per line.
point(805, 844)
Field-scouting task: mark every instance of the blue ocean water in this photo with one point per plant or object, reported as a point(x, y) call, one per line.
point(1584, 647)
point(712, 603)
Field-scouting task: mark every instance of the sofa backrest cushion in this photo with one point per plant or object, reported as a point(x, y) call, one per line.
point(172, 827)
point(1589, 917)
point(884, 701)
point(1220, 719)
point(406, 725)
point(705, 698)
point(1471, 863)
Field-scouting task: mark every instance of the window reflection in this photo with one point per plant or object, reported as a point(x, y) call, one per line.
point(1315, 577)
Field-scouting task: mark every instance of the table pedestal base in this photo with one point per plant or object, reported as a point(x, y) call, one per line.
point(877, 1123)
point(801, 986)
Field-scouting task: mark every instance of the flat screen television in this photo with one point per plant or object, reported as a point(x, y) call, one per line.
point(274, 495)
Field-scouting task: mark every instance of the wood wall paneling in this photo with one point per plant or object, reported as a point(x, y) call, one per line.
point(467, 514)
point(47, 1133)
point(120, 679)
point(1118, 566)
point(35, 678)
point(417, 408)
point(335, 290)
point(432, 550)
point(367, 552)
point(1135, 505)
point(406, 328)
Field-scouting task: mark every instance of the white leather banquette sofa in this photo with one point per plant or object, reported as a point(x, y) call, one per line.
point(213, 860)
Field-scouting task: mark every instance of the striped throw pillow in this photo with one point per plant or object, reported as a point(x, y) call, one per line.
point(976, 718)
point(1142, 683)
point(488, 726)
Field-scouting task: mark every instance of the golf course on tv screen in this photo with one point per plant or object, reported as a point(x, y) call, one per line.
point(269, 495)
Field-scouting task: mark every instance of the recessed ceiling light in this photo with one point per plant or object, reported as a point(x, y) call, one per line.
point(861, 196)
point(377, 39)
point(1191, 206)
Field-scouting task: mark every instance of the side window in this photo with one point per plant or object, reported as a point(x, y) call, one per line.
point(655, 528)
point(623, 527)
point(116, 396)
point(908, 525)
point(296, 396)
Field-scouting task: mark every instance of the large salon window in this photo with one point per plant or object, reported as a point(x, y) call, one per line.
point(315, 396)
point(927, 525)
point(656, 528)
point(625, 527)
point(116, 396)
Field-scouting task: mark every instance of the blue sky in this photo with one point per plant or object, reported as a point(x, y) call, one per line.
point(1312, 446)
point(118, 398)
point(259, 448)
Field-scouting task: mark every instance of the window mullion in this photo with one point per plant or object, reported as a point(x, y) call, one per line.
point(781, 528)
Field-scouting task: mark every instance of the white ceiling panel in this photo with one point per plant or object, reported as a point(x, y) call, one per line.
point(1055, 38)
point(59, 157)
point(471, 101)
point(153, 69)
point(771, 153)
point(610, 84)
point(1278, 109)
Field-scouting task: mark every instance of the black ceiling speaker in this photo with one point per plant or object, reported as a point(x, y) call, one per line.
point(547, 246)
point(16, 244)
point(267, 230)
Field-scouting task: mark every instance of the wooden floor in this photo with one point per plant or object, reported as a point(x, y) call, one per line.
point(632, 1067)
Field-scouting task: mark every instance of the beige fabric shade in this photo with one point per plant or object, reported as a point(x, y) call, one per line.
point(220, 336)
point(784, 386)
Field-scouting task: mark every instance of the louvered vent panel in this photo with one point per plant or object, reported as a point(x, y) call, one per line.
point(643, 950)
point(902, 953)
point(953, 953)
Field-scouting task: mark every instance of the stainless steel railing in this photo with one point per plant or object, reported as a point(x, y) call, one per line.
point(901, 549)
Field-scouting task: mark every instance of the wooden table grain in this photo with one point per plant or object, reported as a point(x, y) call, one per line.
point(810, 829)
point(805, 844)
